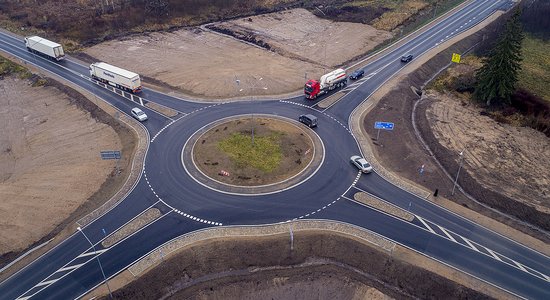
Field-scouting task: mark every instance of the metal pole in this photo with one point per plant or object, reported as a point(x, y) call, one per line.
point(98, 261)
point(378, 134)
point(291, 239)
point(458, 172)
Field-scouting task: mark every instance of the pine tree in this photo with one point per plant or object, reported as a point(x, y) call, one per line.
point(497, 78)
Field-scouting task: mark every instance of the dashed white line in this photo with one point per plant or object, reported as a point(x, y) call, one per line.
point(425, 224)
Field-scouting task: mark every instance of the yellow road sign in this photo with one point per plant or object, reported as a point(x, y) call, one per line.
point(456, 58)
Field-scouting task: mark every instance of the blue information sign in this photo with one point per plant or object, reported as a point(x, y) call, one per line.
point(383, 125)
point(110, 154)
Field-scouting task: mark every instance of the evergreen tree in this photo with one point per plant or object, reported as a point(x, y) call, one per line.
point(497, 78)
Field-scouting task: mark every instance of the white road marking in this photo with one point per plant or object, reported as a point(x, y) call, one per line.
point(520, 266)
point(470, 243)
point(447, 234)
point(425, 224)
point(70, 268)
point(93, 252)
point(46, 282)
point(492, 253)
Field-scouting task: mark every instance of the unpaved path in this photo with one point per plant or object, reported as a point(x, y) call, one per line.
point(207, 64)
point(49, 160)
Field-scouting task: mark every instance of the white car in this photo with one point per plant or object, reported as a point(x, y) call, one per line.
point(361, 163)
point(139, 114)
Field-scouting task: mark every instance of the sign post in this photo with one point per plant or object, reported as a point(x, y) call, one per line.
point(384, 126)
point(111, 155)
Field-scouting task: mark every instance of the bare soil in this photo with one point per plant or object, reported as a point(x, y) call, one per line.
point(54, 174)
point(397, 106)
point(207, 64)
point(320, 266)
point(296, 148)
point(48, 145)
point(493, 152)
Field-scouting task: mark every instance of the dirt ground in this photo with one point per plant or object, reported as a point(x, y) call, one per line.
point(48, 145)
point(320, 266)
point(396, 102)
point(292, 140)
point(206, 64)
point(494, 152)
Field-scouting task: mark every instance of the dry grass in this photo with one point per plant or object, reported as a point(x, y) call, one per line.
point(391, 19)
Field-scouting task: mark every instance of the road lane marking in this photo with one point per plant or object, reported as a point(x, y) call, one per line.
point(520, 266)
point(92, 253)
point(70, 268)
point(46, 282)
point(492, 253)
point(447, 234)
point(425, 224)
point(470, 244)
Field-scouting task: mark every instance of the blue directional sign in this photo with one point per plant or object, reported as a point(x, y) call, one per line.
point(383, 125)
point(110, 154)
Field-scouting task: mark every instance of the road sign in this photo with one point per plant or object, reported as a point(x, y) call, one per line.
point(456, 58)
point(383, 125)
point(110, 154)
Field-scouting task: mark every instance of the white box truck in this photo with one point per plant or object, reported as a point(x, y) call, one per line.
point(44, 47)
point(115, 76)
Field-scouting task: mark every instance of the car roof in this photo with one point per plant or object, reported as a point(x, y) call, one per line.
point(310, 116)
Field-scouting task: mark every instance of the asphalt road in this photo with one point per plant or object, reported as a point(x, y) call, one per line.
point(71, 268)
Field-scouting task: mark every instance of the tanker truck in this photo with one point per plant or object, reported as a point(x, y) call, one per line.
point(328, 82)
point(44, 47)
point(115, 76)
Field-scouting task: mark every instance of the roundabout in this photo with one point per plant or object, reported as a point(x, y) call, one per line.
point(265, 154)
point(186, 188)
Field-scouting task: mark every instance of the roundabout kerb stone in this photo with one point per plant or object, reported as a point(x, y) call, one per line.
point(189, 164)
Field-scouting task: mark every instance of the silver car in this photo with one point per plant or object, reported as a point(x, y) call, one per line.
point(361, 164)
point(139, 114)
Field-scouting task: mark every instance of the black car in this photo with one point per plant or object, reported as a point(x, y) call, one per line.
point(309, 120)
point(356, 74)
point(406, 58)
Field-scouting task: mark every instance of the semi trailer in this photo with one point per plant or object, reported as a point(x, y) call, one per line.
point(115, 76)
point(44, 47)
point(326, 83)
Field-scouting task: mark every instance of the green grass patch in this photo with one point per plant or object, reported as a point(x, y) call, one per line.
point(8, 67)
point(265, 155)
point(535, 74)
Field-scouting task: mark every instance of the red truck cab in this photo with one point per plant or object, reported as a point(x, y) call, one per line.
point(312, 89)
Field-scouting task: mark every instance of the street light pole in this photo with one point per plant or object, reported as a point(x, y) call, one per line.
point(98, 261)
point(460, 159)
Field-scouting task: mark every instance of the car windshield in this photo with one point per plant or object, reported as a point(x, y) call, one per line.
point(139, 113)
point(308, 88)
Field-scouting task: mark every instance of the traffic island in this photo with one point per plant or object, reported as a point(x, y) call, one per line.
point(252, 154)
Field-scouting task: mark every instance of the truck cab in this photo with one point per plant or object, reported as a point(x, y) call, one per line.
point(312, 89)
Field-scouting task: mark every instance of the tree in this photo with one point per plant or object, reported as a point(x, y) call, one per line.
point(157, 8)
point(497, 78)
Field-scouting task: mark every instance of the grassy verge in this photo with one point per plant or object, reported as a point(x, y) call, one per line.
point(535, 74)
point(265, 154)
point(9, 68)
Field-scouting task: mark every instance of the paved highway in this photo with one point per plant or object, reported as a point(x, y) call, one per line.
point(71, 269)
